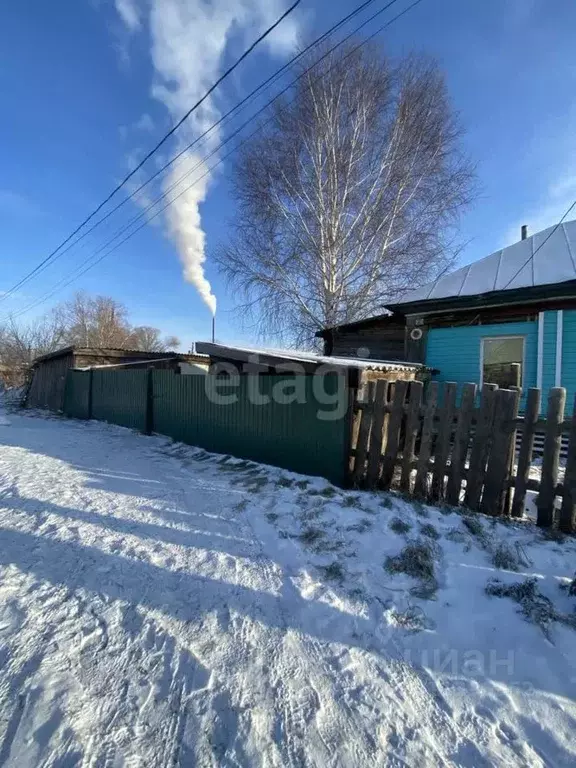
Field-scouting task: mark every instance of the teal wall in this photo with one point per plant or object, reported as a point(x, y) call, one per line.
point(569, 357)
point(548, 355)
point(456, 352)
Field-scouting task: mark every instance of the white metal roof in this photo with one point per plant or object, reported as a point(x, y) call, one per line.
point(527, 263)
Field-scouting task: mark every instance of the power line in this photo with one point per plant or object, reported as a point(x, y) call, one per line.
point(63, 283)
point(60, 251)
point(515, 275)
point(163, 140)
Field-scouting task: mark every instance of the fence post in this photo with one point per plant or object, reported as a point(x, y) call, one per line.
point(412, 429)
point(551, 457)
point(90, 393)
point(567, 521)
point(149, 422)
point(498, 471)
point(364, 435)
point(461, 440)
point(526, 449)
point(442, 450)
point(377, 434)
point(480, 446)
point(393, 433)
point(421, 481)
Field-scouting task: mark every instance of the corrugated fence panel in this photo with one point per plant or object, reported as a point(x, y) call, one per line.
point(120, 397)
point(253, 417)
point(76, 394)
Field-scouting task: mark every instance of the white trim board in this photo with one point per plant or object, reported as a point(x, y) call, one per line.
point(540, 351)
point(559, 340)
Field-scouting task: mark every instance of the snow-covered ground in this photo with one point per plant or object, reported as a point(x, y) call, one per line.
point(160, 606)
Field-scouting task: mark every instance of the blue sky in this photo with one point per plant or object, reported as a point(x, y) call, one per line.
point(84, 94)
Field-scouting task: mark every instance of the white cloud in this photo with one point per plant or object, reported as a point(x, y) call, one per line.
point(548, 212)
point(189, 39)
point(15, 204)
point(145, 123)
point(552, 162)
point(129, 12)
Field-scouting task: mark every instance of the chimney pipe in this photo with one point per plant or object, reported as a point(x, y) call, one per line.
point(213, 327)
point(524, 232)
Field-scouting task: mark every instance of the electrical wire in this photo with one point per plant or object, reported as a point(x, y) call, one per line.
point(531, 257)
point(83, 268)
point(59, 252)
point(159, 144)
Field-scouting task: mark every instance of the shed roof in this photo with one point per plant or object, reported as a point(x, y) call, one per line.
point(545, 258)
point(272, 357)
point(113, 352)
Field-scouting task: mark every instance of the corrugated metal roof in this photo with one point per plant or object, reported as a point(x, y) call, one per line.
point(114, 351)
point(527, 263)
point(267, 355)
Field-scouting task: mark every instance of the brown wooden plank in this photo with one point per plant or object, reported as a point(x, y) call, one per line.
point(461, 441)
point(377, 433)
point(512, 450)
point(480, 447)
point(526, 448)
point(567, 522)
point(413, 421)
point(443, 442)
point(393, 434)
point(498, 470)
point(551, 457)
point(421, 481)
point(363, 438)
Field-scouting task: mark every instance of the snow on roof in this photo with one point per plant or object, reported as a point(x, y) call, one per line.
point(242, 353)
point(525, 264)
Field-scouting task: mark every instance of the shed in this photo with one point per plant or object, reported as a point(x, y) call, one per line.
point(48, 374)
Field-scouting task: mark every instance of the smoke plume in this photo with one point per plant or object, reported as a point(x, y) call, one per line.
point(189, 39)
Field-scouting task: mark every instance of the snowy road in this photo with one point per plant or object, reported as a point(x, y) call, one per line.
point(155, 610)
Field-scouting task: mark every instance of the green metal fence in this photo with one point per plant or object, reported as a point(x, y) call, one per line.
point(298, 423)
point(77, 394)
point(120, 397)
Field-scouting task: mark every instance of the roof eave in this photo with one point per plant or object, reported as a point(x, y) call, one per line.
point(526, 295)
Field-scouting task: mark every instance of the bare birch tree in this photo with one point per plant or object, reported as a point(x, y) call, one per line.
point(348, 196)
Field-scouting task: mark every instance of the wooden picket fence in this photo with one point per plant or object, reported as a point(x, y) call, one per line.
point(473, 450)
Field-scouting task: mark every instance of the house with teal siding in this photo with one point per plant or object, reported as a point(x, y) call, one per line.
point(508, 319)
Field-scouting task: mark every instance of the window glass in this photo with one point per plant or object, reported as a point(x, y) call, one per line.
point(502, 361)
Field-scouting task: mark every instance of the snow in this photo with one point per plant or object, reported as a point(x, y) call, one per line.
point(544, 258)
point(297, 355)
point(162, 606)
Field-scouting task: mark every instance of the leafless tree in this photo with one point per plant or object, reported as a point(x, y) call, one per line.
point(348, 195)
point(94, 321)
point(21, 343)
point(151, 340)
point(84, 321)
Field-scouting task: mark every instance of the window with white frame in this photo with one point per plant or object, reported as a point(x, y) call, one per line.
point(502, 361)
